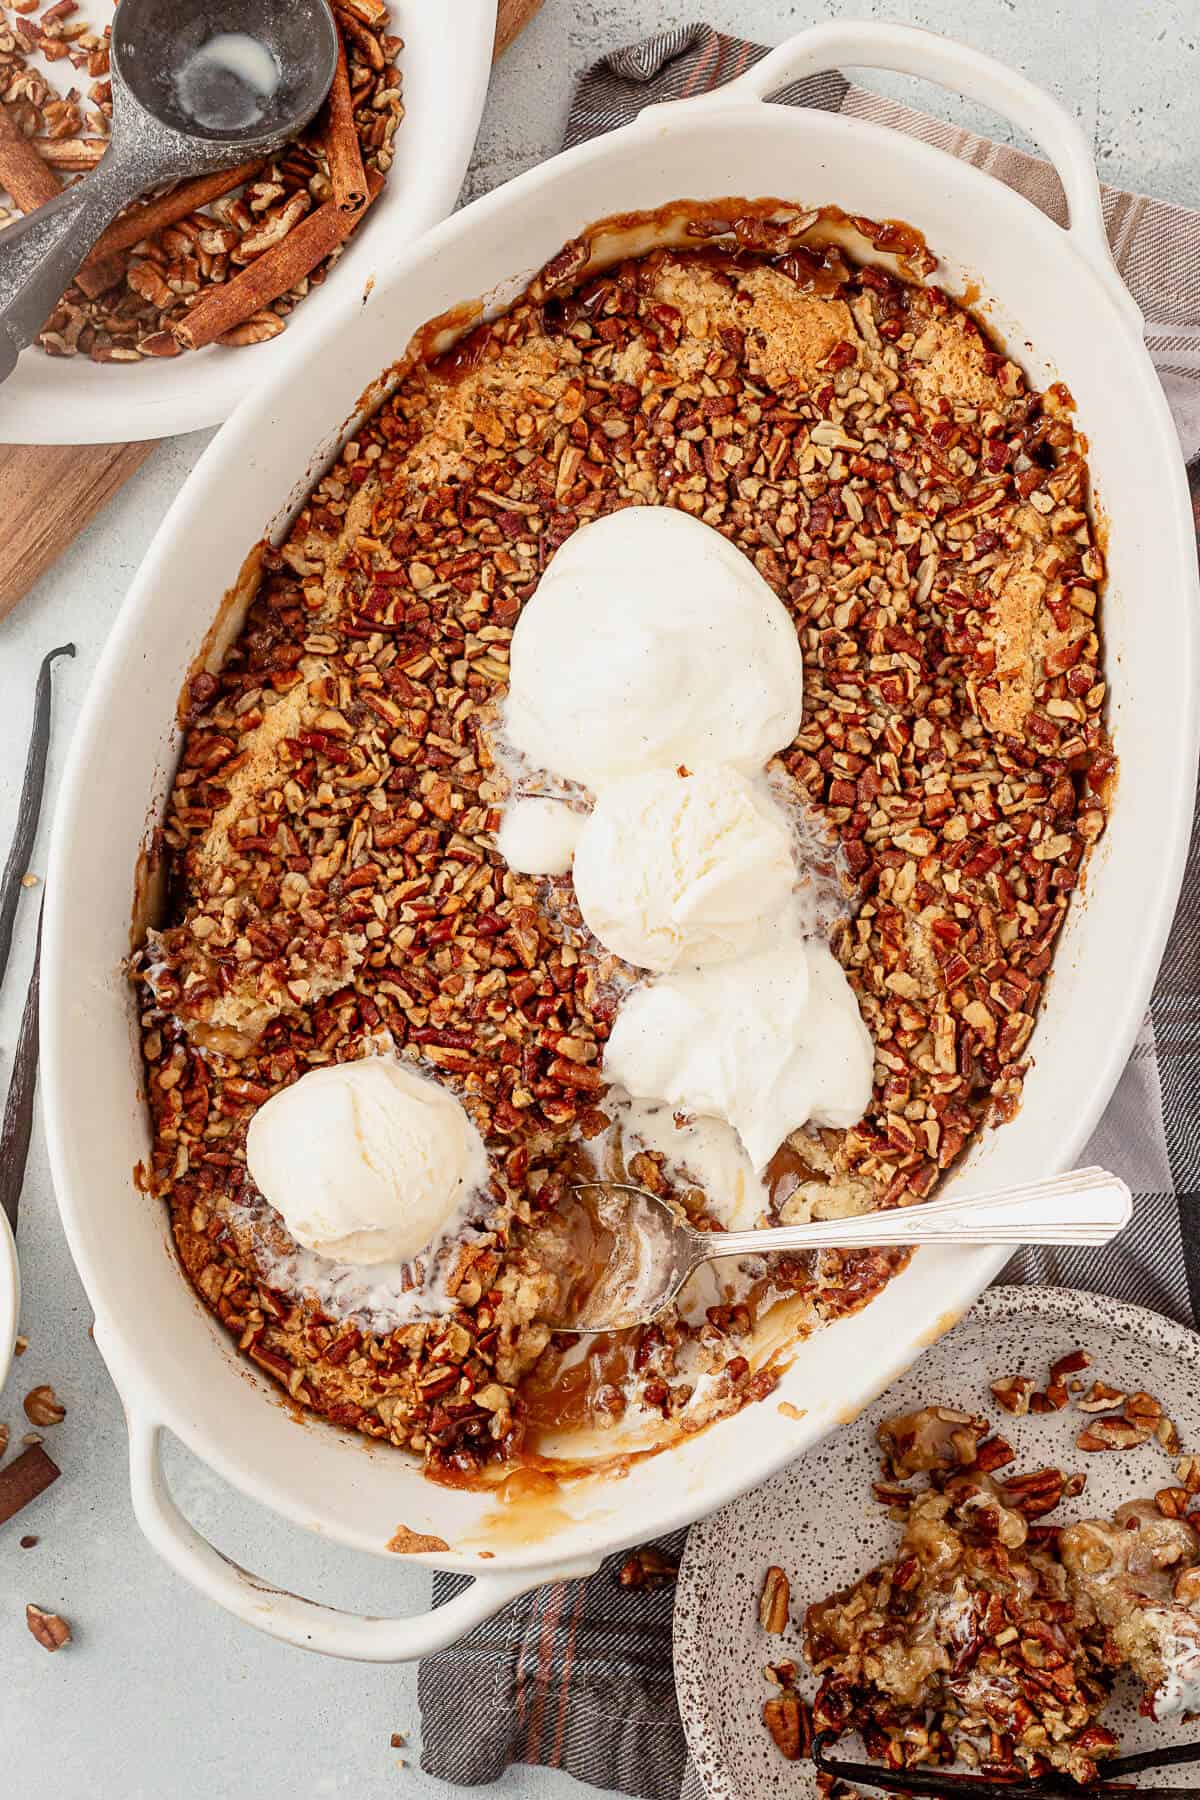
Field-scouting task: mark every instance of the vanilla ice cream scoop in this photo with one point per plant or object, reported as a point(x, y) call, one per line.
point(366, 1161)
point(651, 641)
point(770, 1042)
point(674, 868)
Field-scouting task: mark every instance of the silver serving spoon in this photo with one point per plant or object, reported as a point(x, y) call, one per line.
point(197, 85)
point(647, 1252)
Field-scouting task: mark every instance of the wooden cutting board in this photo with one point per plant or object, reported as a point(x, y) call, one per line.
point(49, 492)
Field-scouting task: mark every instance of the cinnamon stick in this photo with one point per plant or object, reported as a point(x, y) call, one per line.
point(107, 261)
point(342, 149)
point(22, 172)
point(271, 274)
point(142, 221)
point(99, 273)
point(23, 1479)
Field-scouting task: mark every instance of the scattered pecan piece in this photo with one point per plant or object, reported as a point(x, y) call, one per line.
point(994, 1453)
point(1172, 1502)
point(1034, 1494)
point(1144, 1411)
point(789, 1722)
point(646, 1568)
point(1112, 1434)
point(1167, 1433)
point(50, 1630)
point(1013, 1394)
point(43, 1406)
point(1101, 1398)
point(774, 1601)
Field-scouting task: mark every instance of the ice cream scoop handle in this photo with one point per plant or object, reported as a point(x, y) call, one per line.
point(1088, 1206)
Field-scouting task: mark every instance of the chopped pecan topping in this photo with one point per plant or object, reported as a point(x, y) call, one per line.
point(330, 836)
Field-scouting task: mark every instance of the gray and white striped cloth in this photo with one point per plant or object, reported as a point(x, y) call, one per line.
point(578, 1676)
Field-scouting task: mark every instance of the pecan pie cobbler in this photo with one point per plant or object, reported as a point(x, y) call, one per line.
point(334, 885)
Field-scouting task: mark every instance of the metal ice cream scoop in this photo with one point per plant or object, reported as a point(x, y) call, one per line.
point(197, 86)
point(646, 1252)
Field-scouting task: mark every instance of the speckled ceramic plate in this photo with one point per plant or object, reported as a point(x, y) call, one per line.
point(819, 1522)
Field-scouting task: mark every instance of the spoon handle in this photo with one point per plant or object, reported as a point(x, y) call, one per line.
point(41, 253)
point(1088, 1206)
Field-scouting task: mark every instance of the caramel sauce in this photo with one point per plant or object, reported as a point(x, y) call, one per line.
point(568, 1398)
point(576, 1245)
point(786, 1171)
point(528, 1510)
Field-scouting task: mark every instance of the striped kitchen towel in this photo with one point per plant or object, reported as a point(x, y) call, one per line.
point(578, 1676)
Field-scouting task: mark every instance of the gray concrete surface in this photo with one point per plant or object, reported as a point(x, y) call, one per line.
point(161, 1697)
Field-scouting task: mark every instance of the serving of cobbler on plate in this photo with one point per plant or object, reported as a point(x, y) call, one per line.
point(665, 744)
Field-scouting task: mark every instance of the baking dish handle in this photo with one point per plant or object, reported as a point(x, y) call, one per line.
point(908, 50)
point(308, 1624)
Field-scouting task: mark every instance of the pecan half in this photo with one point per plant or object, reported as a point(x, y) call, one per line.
point(789, 1723)
point(50, 1630)
point(1034, 1494)
point(1112, 1434)
point(43, 1406)
point(774, 1601)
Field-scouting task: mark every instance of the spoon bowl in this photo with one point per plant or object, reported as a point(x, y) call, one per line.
point(155, 41)
point(630, 1251)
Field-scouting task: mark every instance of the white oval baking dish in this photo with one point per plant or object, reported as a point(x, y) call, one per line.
point(173, 1366)
point(72, 400)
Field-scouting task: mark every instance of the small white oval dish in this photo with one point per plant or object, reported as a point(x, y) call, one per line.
point(72, 400)
point(820, 1523)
